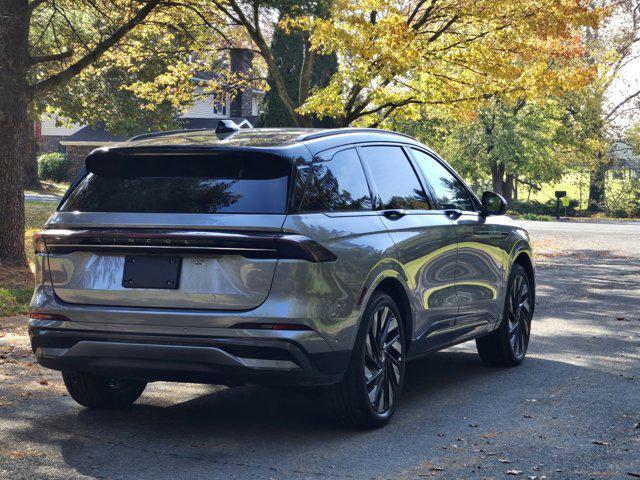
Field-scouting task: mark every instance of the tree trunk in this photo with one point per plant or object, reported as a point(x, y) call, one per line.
point(597, 183)
point(31, 181)
point(502, 184)
point(14, 125)
point(508, 188)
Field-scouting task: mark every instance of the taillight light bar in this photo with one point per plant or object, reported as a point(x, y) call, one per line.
point(247, 244)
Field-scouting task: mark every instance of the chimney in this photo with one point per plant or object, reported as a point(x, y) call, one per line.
point(240, 60)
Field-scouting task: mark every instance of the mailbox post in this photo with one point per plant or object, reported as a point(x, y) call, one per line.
point(559, 195)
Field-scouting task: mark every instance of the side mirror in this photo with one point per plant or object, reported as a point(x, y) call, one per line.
point(493, 204)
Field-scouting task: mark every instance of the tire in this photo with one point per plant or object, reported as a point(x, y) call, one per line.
point(507, 346)
point(100, 392)
point(368, 394)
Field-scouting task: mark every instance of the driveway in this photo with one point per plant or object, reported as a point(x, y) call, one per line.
point(41, 197)
point(571, 411)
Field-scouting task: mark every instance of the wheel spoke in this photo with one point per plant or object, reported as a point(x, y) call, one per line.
point(371, 381)
point(393, 372)
point(373, 345)
point(379, 391)
point(514, 329)
point(371, 362)
point(394, 340)
point(526, 325)
point(384, 325)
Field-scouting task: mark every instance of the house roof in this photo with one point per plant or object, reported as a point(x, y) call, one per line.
point(92, 136)
point(99, 137)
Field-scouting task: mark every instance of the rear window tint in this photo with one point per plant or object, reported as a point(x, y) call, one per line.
point(185, 185)
point(337, 184)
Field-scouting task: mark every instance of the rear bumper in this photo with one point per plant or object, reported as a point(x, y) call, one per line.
point(153, 357)
point(181, 345)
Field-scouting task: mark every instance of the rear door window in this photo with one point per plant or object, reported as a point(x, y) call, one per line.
point(395, 180)
point(185, 184)
point(338, 184)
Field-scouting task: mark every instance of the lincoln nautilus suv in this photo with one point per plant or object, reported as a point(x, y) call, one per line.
point(305, 257)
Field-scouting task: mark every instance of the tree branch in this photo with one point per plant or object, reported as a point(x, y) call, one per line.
point(304, 86)
point(77, 67)
point(621, 104)
point(443, 29)
point(50, 58)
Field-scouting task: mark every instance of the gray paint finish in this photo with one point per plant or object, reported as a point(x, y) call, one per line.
point(452, 268)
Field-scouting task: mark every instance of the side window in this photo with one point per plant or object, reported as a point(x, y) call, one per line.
point(396, 182)
point(449, 191)
point(338, 184)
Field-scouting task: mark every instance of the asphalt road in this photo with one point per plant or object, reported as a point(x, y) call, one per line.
point(569, 412)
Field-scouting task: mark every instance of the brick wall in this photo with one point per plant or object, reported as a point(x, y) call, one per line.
point(75, 156)
point(50, 144)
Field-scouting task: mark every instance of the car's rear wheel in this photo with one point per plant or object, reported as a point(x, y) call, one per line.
point(507, 346)
point(369, 392)
point(101, 392)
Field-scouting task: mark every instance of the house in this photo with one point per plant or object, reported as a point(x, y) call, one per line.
point(78, 140)
point(625, 161)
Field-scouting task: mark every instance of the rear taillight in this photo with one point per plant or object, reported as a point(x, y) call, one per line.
point(38, 243)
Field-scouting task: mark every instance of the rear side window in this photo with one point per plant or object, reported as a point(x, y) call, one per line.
point(337, 184)
point(449, 191)
point(184, 184)
point(394, 178)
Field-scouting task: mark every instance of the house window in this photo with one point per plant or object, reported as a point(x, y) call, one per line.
point(219, 108)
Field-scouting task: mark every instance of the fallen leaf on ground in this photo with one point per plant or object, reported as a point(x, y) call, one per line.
point(504, 460)
point(600, 442)
point(513, 472)
point(44, 381)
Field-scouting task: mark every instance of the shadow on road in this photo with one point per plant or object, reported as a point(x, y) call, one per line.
point(257, 427)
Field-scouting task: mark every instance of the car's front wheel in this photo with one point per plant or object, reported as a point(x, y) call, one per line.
point(507, 346)
point(101, 392)
point(369, 392)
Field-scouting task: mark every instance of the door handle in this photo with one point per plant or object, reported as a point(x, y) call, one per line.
point(394, 214)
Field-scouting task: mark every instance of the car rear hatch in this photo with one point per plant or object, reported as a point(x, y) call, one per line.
point(197, 230)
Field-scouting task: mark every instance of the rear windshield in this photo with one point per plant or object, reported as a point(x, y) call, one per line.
point(184, 185)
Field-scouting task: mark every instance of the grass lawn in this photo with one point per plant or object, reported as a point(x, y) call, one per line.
point(50, 187)
point(16, 284)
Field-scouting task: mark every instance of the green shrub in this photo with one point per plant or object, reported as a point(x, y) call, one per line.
point(534, 216)
point(547, 208)
point(52, 166)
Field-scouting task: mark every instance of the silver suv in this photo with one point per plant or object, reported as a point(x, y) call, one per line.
point(274, 256)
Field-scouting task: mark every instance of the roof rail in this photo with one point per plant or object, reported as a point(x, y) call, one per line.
point(341, 131)
point(144, 136)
